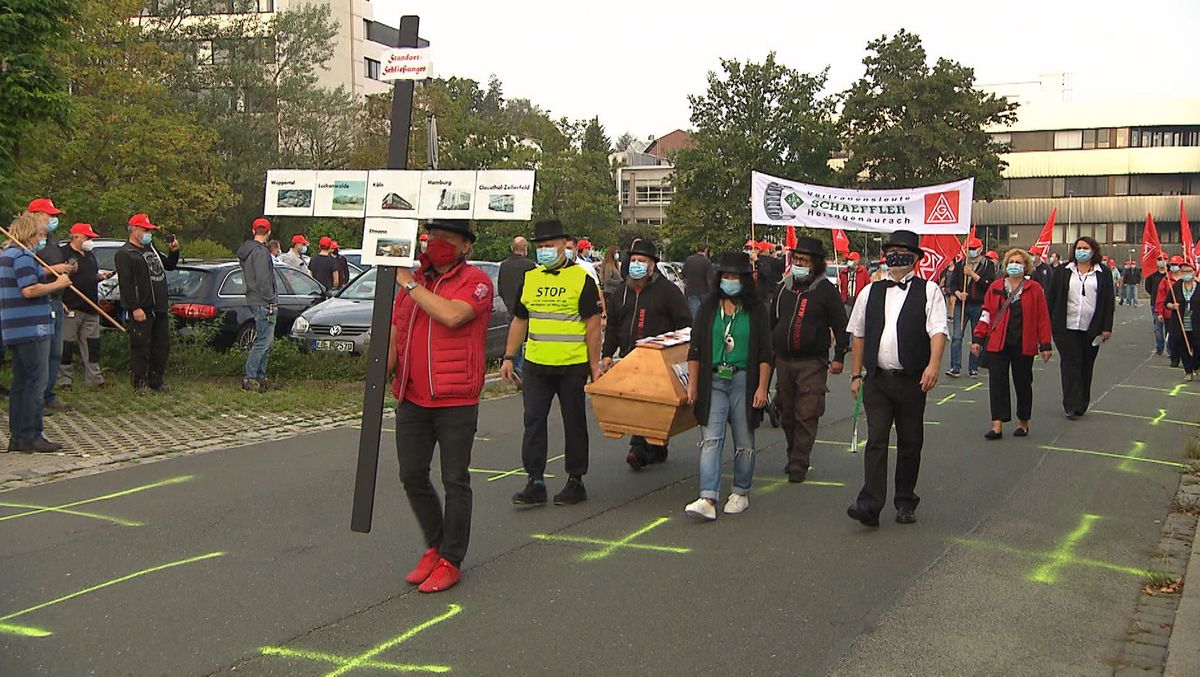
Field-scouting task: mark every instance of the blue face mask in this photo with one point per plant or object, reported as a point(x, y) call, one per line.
point(1015, 269)
point(40, 245)
point(801, 272)
point(1174, 269)
point(1083, 255)
point(53, 223)
point(731, 287)
point(146, 238)
point(638, 269)
point(1187, 277)
point(547, 256)
point(303, 249)
point(570, 254)
point(974, 252)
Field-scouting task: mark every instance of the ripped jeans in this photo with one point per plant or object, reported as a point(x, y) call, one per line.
point(727, 405)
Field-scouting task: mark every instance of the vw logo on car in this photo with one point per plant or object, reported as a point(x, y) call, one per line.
point(335, 330)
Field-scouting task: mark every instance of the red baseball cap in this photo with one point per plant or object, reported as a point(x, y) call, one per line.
point(261, 225)
point(84, 229)
point(854, 256)
point(1175, 260)
point(325, 242)
point(299, 239)
point(43, 205)
point(424, 237)
point(333, 244)
point(584, 244)
point(142, 221)
point(993, 256)
point(974, 243)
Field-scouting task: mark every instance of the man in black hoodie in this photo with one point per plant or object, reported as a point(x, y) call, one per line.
point(648, 305)
point(805, 312)
point(258, 271)
point(142, 279)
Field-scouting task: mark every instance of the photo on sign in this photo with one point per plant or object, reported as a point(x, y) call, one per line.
point(447, 195)
point(504, 194)
point(389, 242)
point(393, 193)
point(289, 192)
point(340, 193)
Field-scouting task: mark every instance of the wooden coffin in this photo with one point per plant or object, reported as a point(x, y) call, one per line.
point(643, 395)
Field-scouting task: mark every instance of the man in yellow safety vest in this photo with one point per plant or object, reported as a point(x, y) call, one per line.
point(559, 306)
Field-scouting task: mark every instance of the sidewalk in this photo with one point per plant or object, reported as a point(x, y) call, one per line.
point(1183, 651)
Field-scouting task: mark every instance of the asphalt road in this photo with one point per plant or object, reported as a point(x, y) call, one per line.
point(1026, 559)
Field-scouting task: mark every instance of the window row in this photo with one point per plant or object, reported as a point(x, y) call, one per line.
point(223, 52)
point(1091, 139)
point(206, 7)
point(1102, 186)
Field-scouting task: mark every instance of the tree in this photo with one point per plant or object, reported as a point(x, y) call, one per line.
point(126, 146)
point(754, 116)
point(33, 87)
point(594, 138)
point(624, 141)
point(905, 124)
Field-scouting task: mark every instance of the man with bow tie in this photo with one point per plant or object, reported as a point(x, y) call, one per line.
point(898, 330)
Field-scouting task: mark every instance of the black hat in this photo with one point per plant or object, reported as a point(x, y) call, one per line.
point(811, 246)
point(734, 262)
point(460, 226)
point(548, 230)
point(907, 239)
point(645, 248)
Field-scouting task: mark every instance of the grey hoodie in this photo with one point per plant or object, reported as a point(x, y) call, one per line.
point(258, 271)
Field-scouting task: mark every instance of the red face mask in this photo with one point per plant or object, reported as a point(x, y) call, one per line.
point(442, 252)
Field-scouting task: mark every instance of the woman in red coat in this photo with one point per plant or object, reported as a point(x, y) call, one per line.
point(1013, 329)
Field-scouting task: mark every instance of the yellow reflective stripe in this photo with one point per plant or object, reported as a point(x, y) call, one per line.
point(542, 315)
point(556, 338)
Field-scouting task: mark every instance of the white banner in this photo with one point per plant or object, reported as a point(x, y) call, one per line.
point(290, 192)
point(504, 194)
point(340, 193)
point(933, 210)
point(389, 242)
point(406, 63)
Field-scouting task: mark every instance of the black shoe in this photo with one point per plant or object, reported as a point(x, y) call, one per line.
point(906, 516)
point(534, 493)
point(1072, 415)
point(634, 459)
point(658, 454)
point(953, 373)
point(797, 476)
point(992, 435)
point(264, 385)
point(572, 493)
point(1175, 363)
point(251, 385)
point(1021, 432)
point(866, 518)
point(43, 444)
point(974, 373)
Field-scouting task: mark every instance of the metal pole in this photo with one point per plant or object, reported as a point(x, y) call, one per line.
point(381, 316)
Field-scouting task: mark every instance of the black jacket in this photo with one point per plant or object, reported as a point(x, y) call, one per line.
point(508, 282)
point(86, 278)
point(823, 312)
point(142, 277)
point(700, 351)
point(657, 309)
point(1175, 326)
point(1056, 299)
point(1151, 285)
point(975, 290)
point(698, 274)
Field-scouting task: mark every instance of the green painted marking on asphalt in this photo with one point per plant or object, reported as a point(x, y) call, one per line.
point(1176, 391)
point(1060, 557)
point(1135, 453)
point(947, 398)
point(106, 497)
point(99, 586)
point(608, 547)
point(366, 660)
point(844, 445)
point(68, 511)
point(773, 483)
point(23, 630)
point(501, 474)
point(973, 386)
point(1105, 454)
point(1152, 420)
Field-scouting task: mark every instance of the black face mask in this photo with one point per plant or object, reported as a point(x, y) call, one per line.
point(900, 259)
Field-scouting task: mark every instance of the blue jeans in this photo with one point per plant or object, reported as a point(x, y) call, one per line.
point(1129, 294)
point(56, 349)
point(26, 397)
point(519, 360)
point(728, 405)
point(957, 329)
point(694, 305)
point(1160, 332)
point(264, 336)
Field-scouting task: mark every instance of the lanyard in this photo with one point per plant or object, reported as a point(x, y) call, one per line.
point(729, 342)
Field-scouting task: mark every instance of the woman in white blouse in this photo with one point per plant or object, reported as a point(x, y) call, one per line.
point(1081, 299)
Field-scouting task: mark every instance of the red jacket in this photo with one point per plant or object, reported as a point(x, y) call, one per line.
point(437, 366)
point(1035, 319)
point(862, 277)
point(1163, 296)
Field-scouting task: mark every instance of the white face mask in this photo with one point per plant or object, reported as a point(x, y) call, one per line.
point(88, 245)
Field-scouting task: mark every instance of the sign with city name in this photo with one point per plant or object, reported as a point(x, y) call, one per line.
point(934, 210)
point(486, 195)
point(406, 63)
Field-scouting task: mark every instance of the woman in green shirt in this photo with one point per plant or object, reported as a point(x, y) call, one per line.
point(729, 367)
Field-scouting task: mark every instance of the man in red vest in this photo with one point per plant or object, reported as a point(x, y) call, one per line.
point(439, 332)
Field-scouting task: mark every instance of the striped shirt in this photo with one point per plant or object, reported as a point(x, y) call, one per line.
point(22, 320)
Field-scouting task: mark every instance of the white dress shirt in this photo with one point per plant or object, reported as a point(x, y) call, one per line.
point(1082, 294)
point(893, 302)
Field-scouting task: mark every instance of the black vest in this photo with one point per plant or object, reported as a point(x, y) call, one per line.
point(914, 345)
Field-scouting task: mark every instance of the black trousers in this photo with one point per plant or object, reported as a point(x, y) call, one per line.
point(891, 399)
point(1021, 367)
point(1076, 360)
point(149, 348)
point(540, 385)
point(452, 430)
point(1189, 360)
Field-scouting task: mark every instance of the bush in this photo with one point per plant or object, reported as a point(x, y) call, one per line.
point(205, 249)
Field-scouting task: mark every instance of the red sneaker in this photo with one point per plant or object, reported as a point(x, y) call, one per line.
point(425, 567)
point(443, 577)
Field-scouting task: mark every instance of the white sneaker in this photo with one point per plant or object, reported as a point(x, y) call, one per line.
point(701, 509)
point(736, 503)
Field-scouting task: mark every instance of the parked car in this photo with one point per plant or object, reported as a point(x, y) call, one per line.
point(216, 290)
point(673, 272)
point(343, 323)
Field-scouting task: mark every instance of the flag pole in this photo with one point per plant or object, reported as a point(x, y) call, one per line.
point(1179, 316)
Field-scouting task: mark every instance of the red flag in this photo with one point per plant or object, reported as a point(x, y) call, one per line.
point(789, 240)
point(1185, 232)
point(1151, 247)
point(1042, 247)
point(940, 251)
point(841, 243)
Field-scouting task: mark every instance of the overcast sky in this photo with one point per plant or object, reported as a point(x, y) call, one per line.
point(634, 63)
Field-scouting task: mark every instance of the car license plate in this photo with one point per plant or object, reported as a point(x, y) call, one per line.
point(335, 346)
